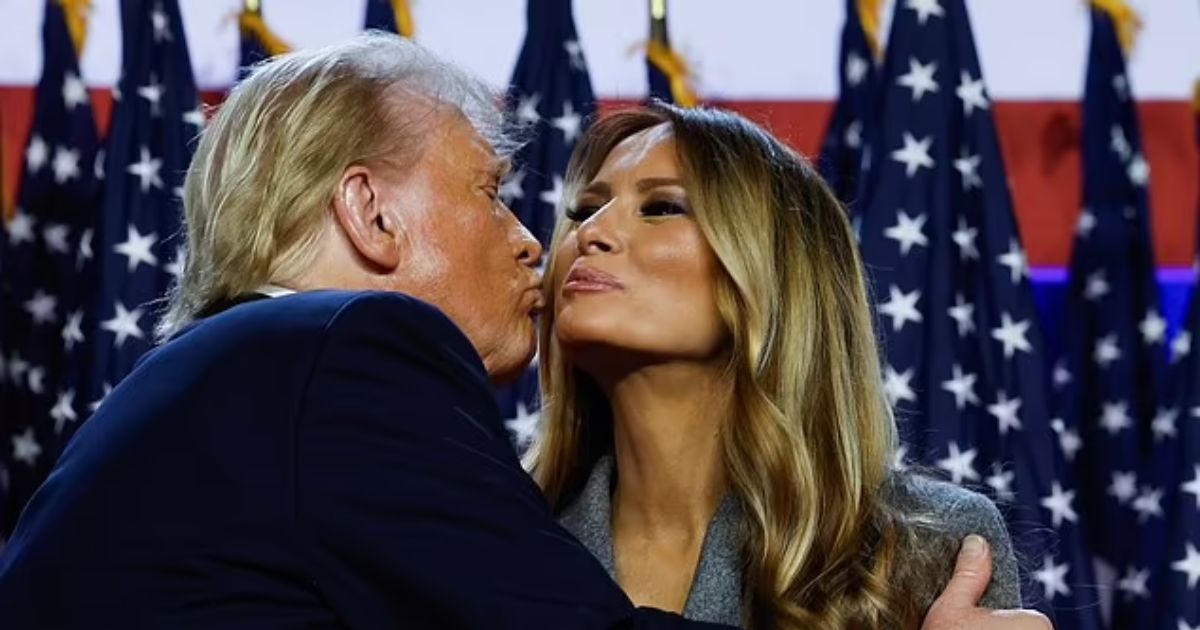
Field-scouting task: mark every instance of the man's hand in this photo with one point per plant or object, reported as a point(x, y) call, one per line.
point(956, 608)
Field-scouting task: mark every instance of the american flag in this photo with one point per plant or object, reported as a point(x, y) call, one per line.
point(667, 74)
point(392, 16)
point(963, 366)
point(1108, 382)
point(139, 243)
point(551, 93)
point(46, 256)
point(1175, 589)
point(258, 41)
point(858, 82)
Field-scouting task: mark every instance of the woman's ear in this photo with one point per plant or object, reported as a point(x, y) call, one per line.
point(370, 227)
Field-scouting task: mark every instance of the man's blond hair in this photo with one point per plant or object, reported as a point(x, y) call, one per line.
point(268, 164)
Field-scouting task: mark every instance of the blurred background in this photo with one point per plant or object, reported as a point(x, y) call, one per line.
point(1045, 153)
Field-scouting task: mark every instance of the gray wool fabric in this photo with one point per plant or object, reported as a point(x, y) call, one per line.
point(716, 594)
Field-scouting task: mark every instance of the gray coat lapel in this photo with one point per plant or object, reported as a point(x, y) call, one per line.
point(716, 594)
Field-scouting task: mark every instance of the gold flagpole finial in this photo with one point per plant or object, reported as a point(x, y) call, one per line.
point(868, 16)
point(1125, 19)
point(404, 19)
point(77, 12)
point(253, 6)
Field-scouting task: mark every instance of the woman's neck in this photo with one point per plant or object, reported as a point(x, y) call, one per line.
point(666, 429)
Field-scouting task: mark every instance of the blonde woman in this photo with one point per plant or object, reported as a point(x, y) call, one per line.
point(714, 428)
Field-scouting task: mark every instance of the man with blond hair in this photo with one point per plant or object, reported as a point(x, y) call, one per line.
point(316, 443)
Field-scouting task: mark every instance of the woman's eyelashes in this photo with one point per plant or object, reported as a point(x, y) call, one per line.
point(581, 211)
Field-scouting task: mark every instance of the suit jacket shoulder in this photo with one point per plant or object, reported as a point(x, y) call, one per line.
point(952, 512)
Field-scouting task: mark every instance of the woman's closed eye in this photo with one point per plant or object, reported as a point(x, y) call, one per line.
point(663, 208)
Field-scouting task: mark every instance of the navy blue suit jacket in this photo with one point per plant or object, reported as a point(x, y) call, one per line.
point(322, 459)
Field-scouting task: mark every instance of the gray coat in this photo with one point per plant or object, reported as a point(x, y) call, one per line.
point(716, 593)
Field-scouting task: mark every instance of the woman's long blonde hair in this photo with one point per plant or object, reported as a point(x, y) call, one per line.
point(809, 446)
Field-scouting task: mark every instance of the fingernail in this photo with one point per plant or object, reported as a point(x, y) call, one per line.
point(973, 546)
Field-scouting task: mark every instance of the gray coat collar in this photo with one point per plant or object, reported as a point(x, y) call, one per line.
point(716, 594)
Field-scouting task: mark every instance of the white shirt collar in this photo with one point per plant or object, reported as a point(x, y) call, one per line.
point(274, 290)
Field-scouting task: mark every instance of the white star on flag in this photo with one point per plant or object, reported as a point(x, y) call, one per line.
point(175, 267)
point(1053, 577)
point(1068, 439)
point(1119, 143)
point(162, 26)
point(1193, 486)
point(55, 236)
point(1153, 327)
point(511, 188)
point(971, 93)
point(569, 123)
point(1163, 424)
point(553, 195)
point(856, 69)
point(124, 324)
point(968, 166)
point(1062, 376)
point(914, 154)
point(65, 165)
point(72, 332)
point(20, 228)
point(901, 307)
point(1106, 350)
point(147, 170)
point(924, 9)
point(1000, 481)
point(963, 387)
point(85, 248)
point(1014, 259)
point(1005, 411)
point(854, 135)
point(1123, 486)
point(74, 92)
point(575, 51)
point(896, 385)
point(1190, 565)
point(1086, 223)
point(1134, 583)
point(523, 427)
point(1059, 504)
point(194, 117)
point(964, 237)
point(41, 307)
point(1139, 170)
point(153, 93)
point(907, 231)
point(1115, 417)
point(919, 78)
point(64, 410)
point(16, 368)
point(95, 404)
point(1148, 503)
point(1096, 285)
point(527, 108)
point(1012, 335)
point(36, 154)
point(1121, 86)
point(1181, 346)
point(960, 464)
point(137, 248)
point(36, 379)
point(26, 448)
point(963, 313)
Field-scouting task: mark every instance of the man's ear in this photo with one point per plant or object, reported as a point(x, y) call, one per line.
point(370, 227)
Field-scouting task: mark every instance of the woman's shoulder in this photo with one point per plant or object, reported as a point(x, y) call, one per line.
point(958, 507)
point(946, 513)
